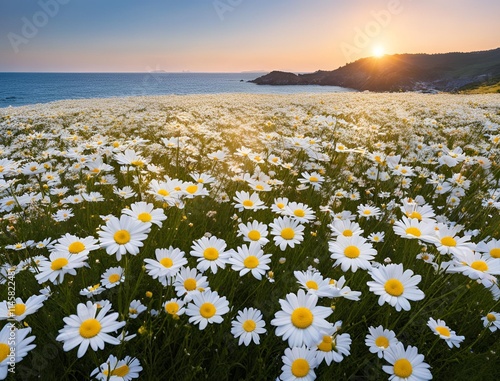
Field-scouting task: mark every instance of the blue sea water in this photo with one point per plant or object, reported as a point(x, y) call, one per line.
point(17, 89)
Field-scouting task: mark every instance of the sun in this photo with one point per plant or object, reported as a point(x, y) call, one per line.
point(378, 51)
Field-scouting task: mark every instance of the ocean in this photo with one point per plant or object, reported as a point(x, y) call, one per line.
point(17, 89)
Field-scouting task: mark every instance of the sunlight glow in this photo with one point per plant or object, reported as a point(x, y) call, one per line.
point(378, 51)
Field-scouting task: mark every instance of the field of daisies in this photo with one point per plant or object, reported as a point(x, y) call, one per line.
point(251, 237)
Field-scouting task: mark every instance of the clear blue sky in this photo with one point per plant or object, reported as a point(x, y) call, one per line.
point(233, 35)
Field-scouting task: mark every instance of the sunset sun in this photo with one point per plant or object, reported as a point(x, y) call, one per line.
point(378, 51)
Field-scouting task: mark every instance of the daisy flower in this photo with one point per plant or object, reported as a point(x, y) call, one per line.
point(19, 310)
point(89, 328)
point(314, 180)
point(299, 364)
point(334, 346)
point(345, 227)
point(191, 190)
point(379, 340)
point(395, 286)
point(351, 252)
point(287, 232)
point(412, 209)
point(210, 253)
point(447, 241)
point(299, 211)
point(146, 213)
point(250, 259)
point(91, 291)
point(124, 235)
point(247, 326)
point(14, 346)
point(130, 157)
point(167, 264)
point(376, 237)
point(113, 277)
point(279, 205)
point(174, 307)
point(491, 320)
point(245, 200)
point(313, 282)
point(490, 248)
point(123, 370)
point(254, 231)
point(58, 265)
point(189, 282)
point(406, 364)
point(440, 328)
point(136, 308)
point(368, 211)
point(339, 289)
point(207, 307)
point(300, 321)
point(415, 229)
point(74, 245)
point(476, 266)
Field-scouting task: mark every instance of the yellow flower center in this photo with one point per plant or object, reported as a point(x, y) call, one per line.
point(479, 266)
point(248, 203)
point(190, 284)
point(259, 187)
point(403, 368)
point(312, 284)
point(302, 317)
point(351, 252)
point(144, 217)
point(443, 331)
point(327, 344)
point(254, 235)
point(448, 241)
point(4, 351)
point(490, 317)
point(211, 253)
point(90, 328)
point(415, 214)
point(76, 247)
point(300, 368)
point(121, 371)
point(172, 308)
point(287, 233)
point(207, 310)
point(299, 213)
point(367, 212)
point(313, 179)
point(249, 325)
point(113, 278)
point(137, 163)
point(413, 231)
point(495, 252)
point(163, 192)
point(251, 262)
point(192, 189)
point(394, 287)
point(58, 264)
point(122, 237)
point(382, 342)
point(347, 233)
point(280, 205)
point(19, 309)
point(166, 262)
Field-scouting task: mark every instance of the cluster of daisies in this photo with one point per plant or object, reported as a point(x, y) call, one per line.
point(348, 187)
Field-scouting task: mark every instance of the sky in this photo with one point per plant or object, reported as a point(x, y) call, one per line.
point(234, 35)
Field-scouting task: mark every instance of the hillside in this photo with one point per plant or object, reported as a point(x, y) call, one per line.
point(402, 72)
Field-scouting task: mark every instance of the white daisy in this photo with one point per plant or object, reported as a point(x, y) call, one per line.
point(146, 213)
point(440, 328)
point(14, 346)
point(415, 229)
point(167, 264)
point(89, 328)
point(189, 282)
point(250, 259)
point(351, 252)
point(491, 320)
point(245, 200)
point(395, 286)
point(334, 346)
point(299, 364)
point(406, 364)
point(300, 212)
point(112, 277)
point(345, 227)
point(379, 340)
point(210, 253)
point(72, 244)
point(19, 310)
point(136, 308)
point(174, 307)
point(313, 282)
point(114, 370)
point(247, 326)
point(207, 307)
point(124, 235)
point(254, 231)
point(59, 264)
point(287, 232)
point(279, 205)
point(300, 321)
